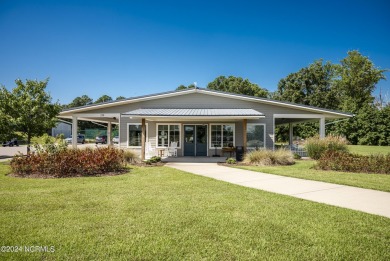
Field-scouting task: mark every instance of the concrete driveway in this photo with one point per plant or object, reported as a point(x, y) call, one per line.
point(8, 152)
point(365, 200)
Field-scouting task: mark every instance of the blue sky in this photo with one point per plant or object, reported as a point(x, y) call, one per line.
point(133, 48)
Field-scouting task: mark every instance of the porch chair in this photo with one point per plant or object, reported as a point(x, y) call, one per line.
point(172, 150)
point(149, 150)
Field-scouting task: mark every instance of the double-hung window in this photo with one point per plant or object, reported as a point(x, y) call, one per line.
point(167, 133)
point(222, 135)
point(255, 135)
point(134, 134)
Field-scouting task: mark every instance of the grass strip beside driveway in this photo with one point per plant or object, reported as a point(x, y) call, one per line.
point(304, 169)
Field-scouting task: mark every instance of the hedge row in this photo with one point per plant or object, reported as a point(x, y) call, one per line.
point(344, 161)
point(70, 162)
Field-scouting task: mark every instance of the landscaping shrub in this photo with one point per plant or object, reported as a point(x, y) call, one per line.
point(316, 147)
point(270, 157)
point(69, 162)
point(231, 161)
point(344, 161)
point(297, 156)
point(130, 156)
point(51, 145)
point(153, 159)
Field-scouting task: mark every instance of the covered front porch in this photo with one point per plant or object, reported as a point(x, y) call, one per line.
point(189, 132)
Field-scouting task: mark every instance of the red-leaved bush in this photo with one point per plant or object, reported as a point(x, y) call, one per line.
point(344, 161)
point(70, 162)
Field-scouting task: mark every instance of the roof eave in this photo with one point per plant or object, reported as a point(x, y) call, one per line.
point(192, 117)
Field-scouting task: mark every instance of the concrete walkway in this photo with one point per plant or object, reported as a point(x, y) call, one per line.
point(365, 200)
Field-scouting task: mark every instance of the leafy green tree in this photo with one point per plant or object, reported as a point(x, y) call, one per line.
point(237, 85)
point(357, 79)
point(347, 86)
point(6, 127)
point(30, 108)
point(183, 87)
point(370, 126)
point(103, 98)
point(80, 101)
point(120, 98)
point(312, 85)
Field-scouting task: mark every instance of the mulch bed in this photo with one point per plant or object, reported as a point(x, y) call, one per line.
point(43, 176)
point(124, 171)
point(143, 164)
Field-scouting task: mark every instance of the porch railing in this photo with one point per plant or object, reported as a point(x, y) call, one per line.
point(301, 151)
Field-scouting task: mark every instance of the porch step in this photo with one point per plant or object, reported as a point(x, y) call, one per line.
point(195, 159)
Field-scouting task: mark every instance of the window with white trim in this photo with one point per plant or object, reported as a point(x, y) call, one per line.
point(255, 135)
point(167, 133)
point(222, 135)
point(134, 134)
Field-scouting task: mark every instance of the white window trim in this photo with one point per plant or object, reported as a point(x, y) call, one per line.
point(180, 134)
point(221, 124)
point(127, 139)
point(265, 145)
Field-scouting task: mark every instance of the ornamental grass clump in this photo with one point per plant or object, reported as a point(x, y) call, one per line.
point(270, 157)
point(316, 146)
point(69, 162)
point(131, 157)
point(231, 161)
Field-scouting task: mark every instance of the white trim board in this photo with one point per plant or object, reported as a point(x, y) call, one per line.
point(299, 116)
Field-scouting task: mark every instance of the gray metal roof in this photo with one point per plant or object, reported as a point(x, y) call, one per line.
point(194, 112)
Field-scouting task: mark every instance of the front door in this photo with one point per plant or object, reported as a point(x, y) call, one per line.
point(195, 140)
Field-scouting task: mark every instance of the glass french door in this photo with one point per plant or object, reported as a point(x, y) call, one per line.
point(195, 140)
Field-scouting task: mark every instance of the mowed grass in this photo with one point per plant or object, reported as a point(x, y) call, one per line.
point(367, 150)
point(165, 214)
point(304, 169)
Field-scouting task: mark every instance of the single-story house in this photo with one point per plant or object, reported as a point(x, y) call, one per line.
point(200, 121)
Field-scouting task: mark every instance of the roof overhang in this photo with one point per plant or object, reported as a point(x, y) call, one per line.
point(194, 114)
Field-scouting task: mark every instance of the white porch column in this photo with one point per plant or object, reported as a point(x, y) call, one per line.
point(244, 133)
point(74, 132)
point(119, 131)
point(322, 128)
point(291, 136)
point(143, 139)
point(109, 133)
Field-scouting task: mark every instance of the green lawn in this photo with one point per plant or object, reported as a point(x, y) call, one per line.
point(165, 214)
point(304, 169)
point(367, 150)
